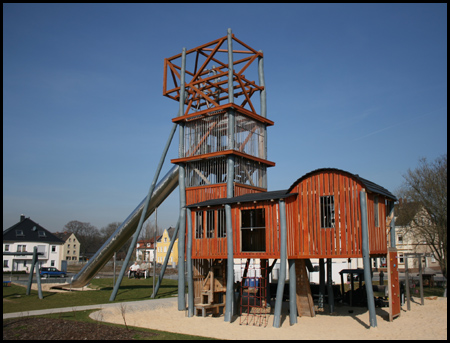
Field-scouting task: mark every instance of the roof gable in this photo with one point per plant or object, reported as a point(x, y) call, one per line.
point(29, 231)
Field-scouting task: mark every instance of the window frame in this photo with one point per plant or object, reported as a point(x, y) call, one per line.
point(327, 205)
point(253, 225)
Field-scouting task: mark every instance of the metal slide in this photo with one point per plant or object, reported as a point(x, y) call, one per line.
point(125, 231)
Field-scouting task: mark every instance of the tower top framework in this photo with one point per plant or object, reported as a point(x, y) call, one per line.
point(207, 78)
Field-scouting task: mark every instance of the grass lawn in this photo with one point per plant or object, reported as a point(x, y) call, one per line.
point(15, 300)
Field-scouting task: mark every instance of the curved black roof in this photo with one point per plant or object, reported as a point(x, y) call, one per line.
point(369, 185)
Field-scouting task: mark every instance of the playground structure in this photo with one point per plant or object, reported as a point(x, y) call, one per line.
point(226, 212)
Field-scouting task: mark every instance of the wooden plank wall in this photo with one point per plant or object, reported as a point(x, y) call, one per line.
point(203, 193)
point(272, 230)
point(240, 189)
point(377, 235)
point(217, 247)
point(207, 248)
point(306, 238)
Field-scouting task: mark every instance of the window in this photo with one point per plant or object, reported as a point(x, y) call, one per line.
point(21, 248)
point(210, 224)
point(253, 230)
point(41, 234)
point(400, 239)
point(19, 233)
point(6, 247)
point(400, 258)
point(53, 248)
point(221, 227)
point(375, 211)
point(327, 211)
point(199, 224)
point(5, 264)
point(52, 263)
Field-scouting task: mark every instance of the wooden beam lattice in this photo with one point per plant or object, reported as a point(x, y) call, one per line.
point(204, 90)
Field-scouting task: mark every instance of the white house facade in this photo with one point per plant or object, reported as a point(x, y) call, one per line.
point(22, 238)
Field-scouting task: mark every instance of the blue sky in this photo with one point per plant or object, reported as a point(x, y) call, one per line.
point(352, 86)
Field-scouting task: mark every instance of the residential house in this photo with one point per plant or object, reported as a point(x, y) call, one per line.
point(23, 237)
point(145, 249)
point(163, 247)
point(410, 213)
point(71, 248)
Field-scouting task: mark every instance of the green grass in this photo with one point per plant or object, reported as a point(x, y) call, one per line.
point(15, 300)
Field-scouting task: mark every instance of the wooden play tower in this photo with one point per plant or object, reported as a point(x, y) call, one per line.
point(226, 212)
point(223, 145)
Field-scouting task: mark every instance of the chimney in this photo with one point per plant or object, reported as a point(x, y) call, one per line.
point(22, 217)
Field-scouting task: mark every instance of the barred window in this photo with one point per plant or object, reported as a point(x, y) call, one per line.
point(221, 226)
point(199, 224)
point(327, 211)
point(210, 224)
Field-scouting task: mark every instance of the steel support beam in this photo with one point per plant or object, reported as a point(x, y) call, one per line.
point(392, 231)
point(182, 185)
point(142, 219)
point(292, 293)
point(190, 275)
point(330, 284)
point(283, 258)
point(366, 259)
point(30, 278)
point(229, 301)
point(321, 282)
point(166, 259)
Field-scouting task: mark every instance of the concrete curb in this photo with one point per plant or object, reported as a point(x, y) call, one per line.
point(130, 305)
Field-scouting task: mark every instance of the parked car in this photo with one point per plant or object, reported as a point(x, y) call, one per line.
point(51, 271)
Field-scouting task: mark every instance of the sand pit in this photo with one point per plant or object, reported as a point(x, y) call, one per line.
point(428, 322)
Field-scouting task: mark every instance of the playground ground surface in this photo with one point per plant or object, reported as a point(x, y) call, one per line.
point(427, 322)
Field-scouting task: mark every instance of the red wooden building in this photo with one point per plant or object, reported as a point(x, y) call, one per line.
point(323, 220)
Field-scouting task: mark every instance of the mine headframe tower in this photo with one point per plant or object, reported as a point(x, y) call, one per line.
point(223, 131)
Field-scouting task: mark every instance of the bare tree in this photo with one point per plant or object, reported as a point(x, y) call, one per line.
point(87, 234)
point(107, 231)
point(148, 232)
point(427, 187)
